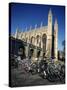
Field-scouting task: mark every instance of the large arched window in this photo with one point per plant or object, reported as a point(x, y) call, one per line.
point(32, 40)
point(38, 40)
point(44, 39)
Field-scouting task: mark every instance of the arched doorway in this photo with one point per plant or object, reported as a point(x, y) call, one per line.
point(21, 51)
point(31, 53)
point(38, 53)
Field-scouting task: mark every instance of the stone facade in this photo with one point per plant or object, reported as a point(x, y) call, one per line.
point(42, 41)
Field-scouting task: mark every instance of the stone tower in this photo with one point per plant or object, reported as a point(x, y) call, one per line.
point(49, 36)
point(56, 39)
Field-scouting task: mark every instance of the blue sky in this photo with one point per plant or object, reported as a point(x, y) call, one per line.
point(26, 15)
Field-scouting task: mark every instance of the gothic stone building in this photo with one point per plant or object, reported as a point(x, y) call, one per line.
point(42, 41)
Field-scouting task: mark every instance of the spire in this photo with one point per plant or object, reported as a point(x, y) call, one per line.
point(50, 12)
point(35, 26)
point(50, 16)
point(56, 21)
point(50, 22)
point(56, 25)
point(41, 24)
point(30, 27)
point(26, 28)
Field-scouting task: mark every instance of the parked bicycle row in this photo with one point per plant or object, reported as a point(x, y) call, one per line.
point(45, 68)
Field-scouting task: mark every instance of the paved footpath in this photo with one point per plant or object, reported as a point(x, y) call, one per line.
point(22, 78)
